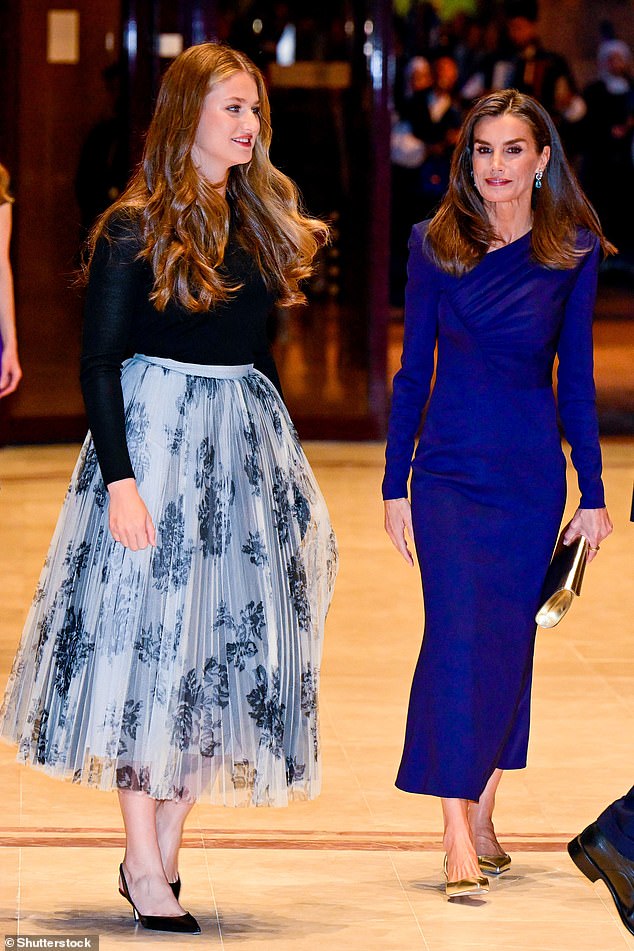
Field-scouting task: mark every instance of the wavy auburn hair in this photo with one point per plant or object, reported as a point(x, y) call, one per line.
point(460, 233)
point(183, 219)
point(4, 186)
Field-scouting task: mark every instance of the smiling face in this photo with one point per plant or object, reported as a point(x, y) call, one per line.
point(228, 127)
point(505, 159)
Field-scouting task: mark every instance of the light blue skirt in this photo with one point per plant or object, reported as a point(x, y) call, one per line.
point(189, 670)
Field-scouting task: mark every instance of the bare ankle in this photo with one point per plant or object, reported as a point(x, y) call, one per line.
point(461, 842)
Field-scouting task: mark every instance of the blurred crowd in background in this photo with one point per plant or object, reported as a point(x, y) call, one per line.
point(441, 67)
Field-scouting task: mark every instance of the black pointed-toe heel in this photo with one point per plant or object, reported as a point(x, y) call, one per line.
point(176, 924)
point(176, 887)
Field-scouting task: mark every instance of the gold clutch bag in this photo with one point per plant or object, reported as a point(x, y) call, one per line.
point(563, 580)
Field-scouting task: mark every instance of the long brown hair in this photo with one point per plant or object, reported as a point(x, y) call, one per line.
point(460, 233)
point(4, 186)
point(184, 220)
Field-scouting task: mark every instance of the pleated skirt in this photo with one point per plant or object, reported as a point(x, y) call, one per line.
point(188, 670)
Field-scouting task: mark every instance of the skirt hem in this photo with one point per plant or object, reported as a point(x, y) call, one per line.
point(431, 789)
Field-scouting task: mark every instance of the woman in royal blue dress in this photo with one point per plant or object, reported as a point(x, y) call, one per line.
point(502, 279)
point(173, 649)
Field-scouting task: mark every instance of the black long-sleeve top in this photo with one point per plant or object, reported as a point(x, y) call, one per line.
point(120, 320)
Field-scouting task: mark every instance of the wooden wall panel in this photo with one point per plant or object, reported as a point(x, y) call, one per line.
point(57, 104)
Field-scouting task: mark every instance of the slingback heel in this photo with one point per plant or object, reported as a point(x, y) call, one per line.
point(176, 924)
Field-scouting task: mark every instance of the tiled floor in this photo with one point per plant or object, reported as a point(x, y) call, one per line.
point(360, 867)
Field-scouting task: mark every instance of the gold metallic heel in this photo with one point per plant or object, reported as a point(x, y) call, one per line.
point(465, 886)
point(495, 864)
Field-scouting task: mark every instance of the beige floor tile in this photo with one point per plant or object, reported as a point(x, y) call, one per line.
point(290, 899)
point(340, 897)
point(541, 903)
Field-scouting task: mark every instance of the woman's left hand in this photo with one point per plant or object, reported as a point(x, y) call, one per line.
point(593, 524)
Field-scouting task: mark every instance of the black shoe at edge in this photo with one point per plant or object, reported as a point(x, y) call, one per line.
point(595, 856)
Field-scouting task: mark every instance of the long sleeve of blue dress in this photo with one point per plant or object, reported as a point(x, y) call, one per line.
point(575, 382)
point(413, 380)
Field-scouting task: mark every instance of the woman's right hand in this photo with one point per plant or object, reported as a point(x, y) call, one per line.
point(130, 521)
point(10, 371)
point(398, 525)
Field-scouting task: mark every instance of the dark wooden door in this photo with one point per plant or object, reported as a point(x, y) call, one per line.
point(48, 108)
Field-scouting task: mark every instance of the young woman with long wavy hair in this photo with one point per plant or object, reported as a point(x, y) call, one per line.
point(502, 280)
point(173, 648)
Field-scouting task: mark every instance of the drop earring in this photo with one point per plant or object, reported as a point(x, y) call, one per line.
point(538, 178)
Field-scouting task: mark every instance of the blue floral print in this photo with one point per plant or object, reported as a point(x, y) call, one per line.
point(255, 548)
point(190, 669)
point(131, 718)
point(75, 562)
point(187, 710)
point(136, 427)
point(251, 462)
point(219, 494)
point(88, 465)
point(294, 770)
point(301, 509)
point(216, 683)
point(266, 709)
point(72, 647)
point(298, 591)
point(251, 626)
point(172, 559)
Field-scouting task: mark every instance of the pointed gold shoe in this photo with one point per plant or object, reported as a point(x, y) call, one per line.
point(495, 864)
point(465, 886)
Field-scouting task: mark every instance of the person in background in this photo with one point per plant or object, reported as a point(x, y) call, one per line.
point(102, 171)
point(173, 648)
point(434, 116)
point(536, 71)
point(495, 64)
point(608, 134)
point(407, 154)
point(546, 76)
point(418, 76)
point(10, 370)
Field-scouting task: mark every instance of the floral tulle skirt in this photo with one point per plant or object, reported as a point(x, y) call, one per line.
point(189, 670)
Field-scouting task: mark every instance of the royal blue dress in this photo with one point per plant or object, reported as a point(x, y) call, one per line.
point(488, 491)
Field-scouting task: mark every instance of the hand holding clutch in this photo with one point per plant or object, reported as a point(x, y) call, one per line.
point(563, 580)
